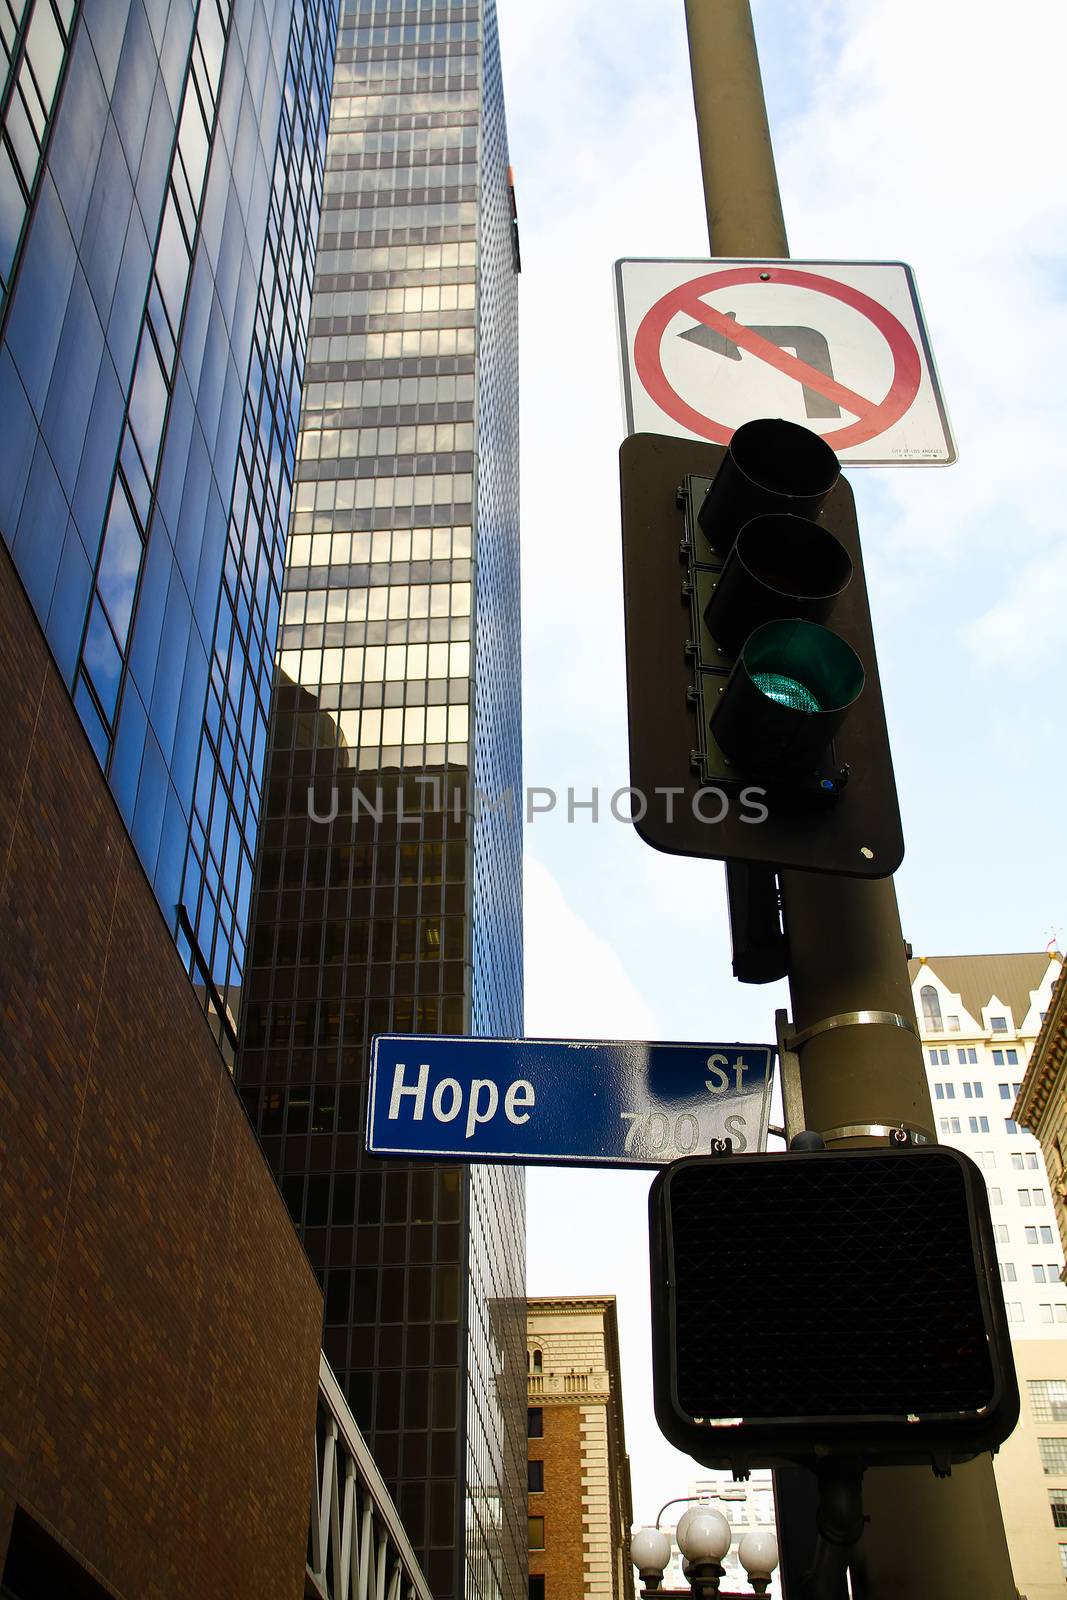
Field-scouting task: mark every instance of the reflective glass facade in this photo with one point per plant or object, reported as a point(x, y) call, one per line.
point(160, 183)
point(388, 895)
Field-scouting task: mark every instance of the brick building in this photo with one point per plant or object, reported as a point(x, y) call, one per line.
point(578, 1473)
point(159, 1322)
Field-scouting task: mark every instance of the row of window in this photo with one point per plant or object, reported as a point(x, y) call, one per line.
point(424, 102)
point(1041, 1235)
point(967, 1056)
point(412, 299)
point(412, 342)
point(1021, 1160)
point(930, 1001)
point(399, 141)
point(393, 258)
point(363, 549)
point(366, 219)
point(357, 394)
point(1041, 1272)
point(440, 489)
point(426, 438)
point(996, 1196)
point(354, 180)
point(1047, 1313)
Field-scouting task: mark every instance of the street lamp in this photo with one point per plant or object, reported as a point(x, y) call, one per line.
point(703, 1536)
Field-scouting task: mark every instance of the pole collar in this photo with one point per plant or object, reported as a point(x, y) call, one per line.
point(849, 1019)
point(879, 1130)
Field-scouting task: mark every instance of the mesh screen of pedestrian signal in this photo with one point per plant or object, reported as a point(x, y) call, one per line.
point(801, 1296)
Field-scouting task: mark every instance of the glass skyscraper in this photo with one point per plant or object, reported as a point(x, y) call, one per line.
point(160, 182)
point(388, 895)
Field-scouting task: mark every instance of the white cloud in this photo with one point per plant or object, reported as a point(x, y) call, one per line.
point(576, 984)
point(1023, 631)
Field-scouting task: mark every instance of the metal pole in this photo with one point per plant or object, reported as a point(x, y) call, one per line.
point(925, 1535)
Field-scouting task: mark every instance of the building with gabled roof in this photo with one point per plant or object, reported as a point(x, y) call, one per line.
point(979, 1019)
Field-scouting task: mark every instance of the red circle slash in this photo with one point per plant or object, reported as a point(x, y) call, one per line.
point(874, 417)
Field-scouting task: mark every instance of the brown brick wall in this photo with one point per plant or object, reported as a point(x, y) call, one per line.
point(159, 1323)
point(562, 1561)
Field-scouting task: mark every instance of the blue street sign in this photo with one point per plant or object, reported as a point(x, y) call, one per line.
point(582, 1102)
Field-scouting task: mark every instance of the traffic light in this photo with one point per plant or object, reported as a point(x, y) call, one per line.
point(823, 1303)
point(757, 732)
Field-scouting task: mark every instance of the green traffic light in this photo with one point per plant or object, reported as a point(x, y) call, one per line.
point(786, 691)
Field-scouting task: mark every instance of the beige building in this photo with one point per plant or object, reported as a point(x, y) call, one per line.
point(1042, 1102)
point(579, 1473)
point(979, 1019)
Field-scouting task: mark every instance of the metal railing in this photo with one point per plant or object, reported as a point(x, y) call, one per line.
point(357, 1547)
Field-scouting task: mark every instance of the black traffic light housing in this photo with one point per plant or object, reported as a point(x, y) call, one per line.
point(828, 1303)
point(757, 731)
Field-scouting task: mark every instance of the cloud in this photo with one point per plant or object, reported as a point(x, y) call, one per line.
point(576, 984)
point(1023, 630)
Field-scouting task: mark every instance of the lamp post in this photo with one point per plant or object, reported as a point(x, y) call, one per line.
point(704, 1537)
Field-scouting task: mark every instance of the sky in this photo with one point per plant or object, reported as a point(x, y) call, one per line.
point(904, 130)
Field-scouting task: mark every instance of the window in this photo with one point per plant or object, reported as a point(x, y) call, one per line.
point(1000, 1232)
point(535, 1533)
point(967, 1055)
point(1046, 1316)
point(953, 1024)
point(1031, 1160)
point(1012, 1059)
point(939, 1091)
point(1024, 1198)
point(1014, 1310)
point(535, 1422)
point(535, 1477)
point(999, 1024)
point(1057, 1499)
point(950, 1124)
point(996, 1197)
point(1010, 1126)
point(1039, 1196)
point(1063, 1557)
point(1017, 1160)
point(978, 1124)
point(944, 1057)
point(1007, 1272)
point(931, 1009)
point(1046, 1234)
point(534, 1361)
point(932, 1057)
point(1004, 1090)
point(1048, 1399)
point(1039, 1272)
point(998, 1058)
point(1053, 1455)
point(1031, 1235)
point(537, 1586)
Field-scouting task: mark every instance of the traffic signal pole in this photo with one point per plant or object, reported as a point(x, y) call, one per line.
point(861, 1062)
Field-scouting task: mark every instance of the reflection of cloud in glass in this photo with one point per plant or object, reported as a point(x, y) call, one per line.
point(120, 563)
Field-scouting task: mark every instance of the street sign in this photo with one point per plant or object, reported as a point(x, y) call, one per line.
point(575, 1102)
point(837, 346)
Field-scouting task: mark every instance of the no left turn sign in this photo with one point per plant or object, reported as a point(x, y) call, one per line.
point(839, 347)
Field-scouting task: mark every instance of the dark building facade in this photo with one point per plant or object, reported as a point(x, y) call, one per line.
point(388, 895)
point(160, 182)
